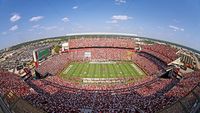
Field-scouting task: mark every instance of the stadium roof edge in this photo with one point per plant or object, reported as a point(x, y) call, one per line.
point(101, 33)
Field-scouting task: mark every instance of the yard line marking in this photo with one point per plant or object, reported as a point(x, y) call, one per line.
point(139, 71)
point(66, 71)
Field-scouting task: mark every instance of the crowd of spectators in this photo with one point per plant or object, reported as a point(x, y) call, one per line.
point(146, 64)
point(53, 64)
point(153, 59)
point(101, 42)
point(137, 97)
point(11, 82)
point(188, 82)
point(162, 51)
point(150, 89)
point(105, 54)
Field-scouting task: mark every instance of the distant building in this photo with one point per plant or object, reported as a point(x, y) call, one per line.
point(65, 46)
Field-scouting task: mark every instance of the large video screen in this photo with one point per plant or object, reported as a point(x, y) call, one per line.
point(43, 53)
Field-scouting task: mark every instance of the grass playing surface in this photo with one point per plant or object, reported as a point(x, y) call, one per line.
point(102, 70)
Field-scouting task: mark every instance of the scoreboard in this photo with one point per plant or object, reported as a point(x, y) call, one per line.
point(43, 53)
point(40, 54)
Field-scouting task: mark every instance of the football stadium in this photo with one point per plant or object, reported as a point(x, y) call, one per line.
point(99, 56)
point(104, 73)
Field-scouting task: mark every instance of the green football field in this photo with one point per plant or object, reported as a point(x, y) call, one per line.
point(102, 70)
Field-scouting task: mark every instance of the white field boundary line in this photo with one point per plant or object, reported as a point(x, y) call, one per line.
point(102, 62)
point(66, 71)
point(102, 80)
point(139, 71)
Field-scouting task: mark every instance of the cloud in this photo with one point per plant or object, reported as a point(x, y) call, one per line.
point(65, 19)
point(13, 28)
point(116, 18)
point(37, 26)
point(4, 33)
point(15, 18)
point(175, 28)
point(75, 7)
point(36, 18)
point(119, 2)
point(120, 17)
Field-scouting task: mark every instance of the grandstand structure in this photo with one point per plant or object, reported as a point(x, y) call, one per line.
point(107, 73)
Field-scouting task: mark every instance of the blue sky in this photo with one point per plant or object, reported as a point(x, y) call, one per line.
point(171, 20)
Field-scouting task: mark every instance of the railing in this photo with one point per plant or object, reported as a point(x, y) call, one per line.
point(188, 104)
